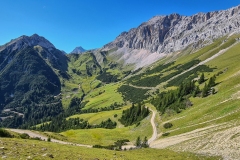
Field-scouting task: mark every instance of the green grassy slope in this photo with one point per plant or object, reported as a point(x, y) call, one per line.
point(109, 136)
point(222, 107)
point(218, 108)
point(32, 149)
point(104, 97)
point(97, 118)
point(214, 109)
point(203, 112)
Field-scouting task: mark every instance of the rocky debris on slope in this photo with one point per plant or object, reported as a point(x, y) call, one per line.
point(225, 143)
point(165, 34)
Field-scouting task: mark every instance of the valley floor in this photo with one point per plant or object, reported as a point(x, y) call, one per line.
point(215, 140)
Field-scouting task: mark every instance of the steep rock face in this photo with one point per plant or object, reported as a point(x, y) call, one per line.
point(171, 33)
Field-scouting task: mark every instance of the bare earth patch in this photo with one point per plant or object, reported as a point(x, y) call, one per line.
point(218, 140)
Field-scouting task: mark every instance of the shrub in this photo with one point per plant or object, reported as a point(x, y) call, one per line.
point(24, 136)
point(133, 94)
point(36, 138)
point(138, 123)
point(167, 125)
point(4, 133)
point(165, 134)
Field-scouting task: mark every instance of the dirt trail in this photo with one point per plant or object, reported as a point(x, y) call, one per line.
point(205, 61)
point(34, 134)
point(140, 87)
point(225, 143)
point(219, 140)
point(201, 63)
point(154, 135)
point(169, 141)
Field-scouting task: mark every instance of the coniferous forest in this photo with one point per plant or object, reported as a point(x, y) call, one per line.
point(134, 114)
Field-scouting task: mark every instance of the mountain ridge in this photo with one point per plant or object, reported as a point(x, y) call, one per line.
point(30, 72)
point(169, 34)
point(24, 41)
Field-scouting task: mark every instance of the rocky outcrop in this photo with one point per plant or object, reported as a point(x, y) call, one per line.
point(171, 33)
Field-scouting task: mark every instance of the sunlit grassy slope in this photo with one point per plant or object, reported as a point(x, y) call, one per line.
point(222, 107)
point(83, 71)
point(109, 136)
point(218, 108)
point(97, 118)
point(104, 96)
point(204, 112)
point(32, 149)
point(80, 81)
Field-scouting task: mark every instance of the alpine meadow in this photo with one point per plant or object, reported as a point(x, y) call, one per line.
point(167, 89)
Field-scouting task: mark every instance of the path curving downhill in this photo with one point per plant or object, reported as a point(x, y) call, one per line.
point(34, 135)
point(154, 135)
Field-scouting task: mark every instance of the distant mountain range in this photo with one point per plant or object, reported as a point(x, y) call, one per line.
point(78, 50)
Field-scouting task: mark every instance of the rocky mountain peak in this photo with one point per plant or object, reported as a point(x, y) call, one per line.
point(174, 32)
point(25, 41)
point(78, 50)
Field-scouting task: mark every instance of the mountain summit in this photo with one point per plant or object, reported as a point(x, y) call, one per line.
point(172, 33)
point(30, 67)
point(28, 41)
point(78, 50)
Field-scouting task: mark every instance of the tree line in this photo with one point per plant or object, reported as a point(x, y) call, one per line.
point(61, 124)
point(134, 114)
point(178, 99)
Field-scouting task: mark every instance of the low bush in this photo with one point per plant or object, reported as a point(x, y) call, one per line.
point(4, 133)
point(24, 136)
point(165, 134)
point(167, 125)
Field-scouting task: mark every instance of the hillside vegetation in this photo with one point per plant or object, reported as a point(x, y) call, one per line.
point(32, 149)
point(98, 101)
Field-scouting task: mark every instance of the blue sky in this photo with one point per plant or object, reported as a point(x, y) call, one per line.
point(89, 23)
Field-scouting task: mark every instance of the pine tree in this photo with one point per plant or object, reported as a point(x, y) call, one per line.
point(196, 91)
point(201, 79)
point(205, 90)
point(211, 82)
point(138, 142)
point(213, 91)
point(145, 143)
